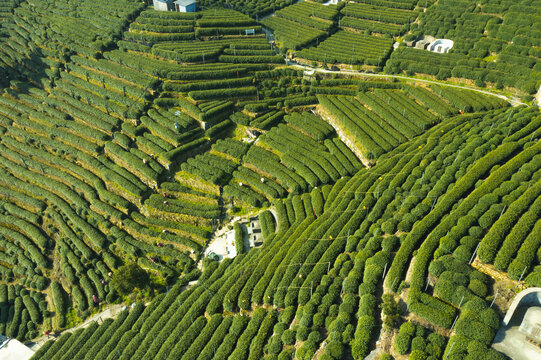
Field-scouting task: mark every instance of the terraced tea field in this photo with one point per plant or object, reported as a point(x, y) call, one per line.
point(348, 204)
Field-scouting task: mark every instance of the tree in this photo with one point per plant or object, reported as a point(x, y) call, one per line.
point(128, 277)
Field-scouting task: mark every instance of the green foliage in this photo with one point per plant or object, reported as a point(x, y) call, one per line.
point(288, 337)
point(129, 277)
point(122, 152)
point(391, 311)
point(402, 341)
point(349, 48)
point(239, 237)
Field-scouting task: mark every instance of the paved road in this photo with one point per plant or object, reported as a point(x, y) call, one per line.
point(513, 101)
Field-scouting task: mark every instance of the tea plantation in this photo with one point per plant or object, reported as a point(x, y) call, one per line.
point(393, 206)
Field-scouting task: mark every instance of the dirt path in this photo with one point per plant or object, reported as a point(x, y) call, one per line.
point(385, 340)
point(505, 288)
point(109, 312)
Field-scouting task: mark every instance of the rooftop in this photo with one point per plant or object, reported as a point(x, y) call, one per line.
point(184, 2)
point(13, 349)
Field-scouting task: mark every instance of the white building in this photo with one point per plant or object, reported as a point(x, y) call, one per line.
point(177, 5)
point(531, 324)
point(12, 349)
point(184, 5)
point(255, 237)
point(441, 46)
point(230, 247)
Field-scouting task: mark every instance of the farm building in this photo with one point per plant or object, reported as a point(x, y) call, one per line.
point(254, 232)
point(422, 44)
point(184, 5)
point(177, 5)
point(432, 44)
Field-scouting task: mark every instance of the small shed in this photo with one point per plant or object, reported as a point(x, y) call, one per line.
point(422, 44)
point(184, 5)
point(161, 5)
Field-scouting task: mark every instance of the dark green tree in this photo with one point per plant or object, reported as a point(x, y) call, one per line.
point(129, 277)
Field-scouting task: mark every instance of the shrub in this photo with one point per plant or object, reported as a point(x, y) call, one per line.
point(335, 349)
point(403, 339)
point(478, 288)
point(490, 317)
point(239, 238)
point(418, 355)
point(318, 320)
point(302, 333)
point(391, 311)
point(418, 343)
point(288, 337)
point(32, 308)
point(275, 345)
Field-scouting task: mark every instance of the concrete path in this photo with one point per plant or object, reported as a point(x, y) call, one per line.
point(512, 101)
